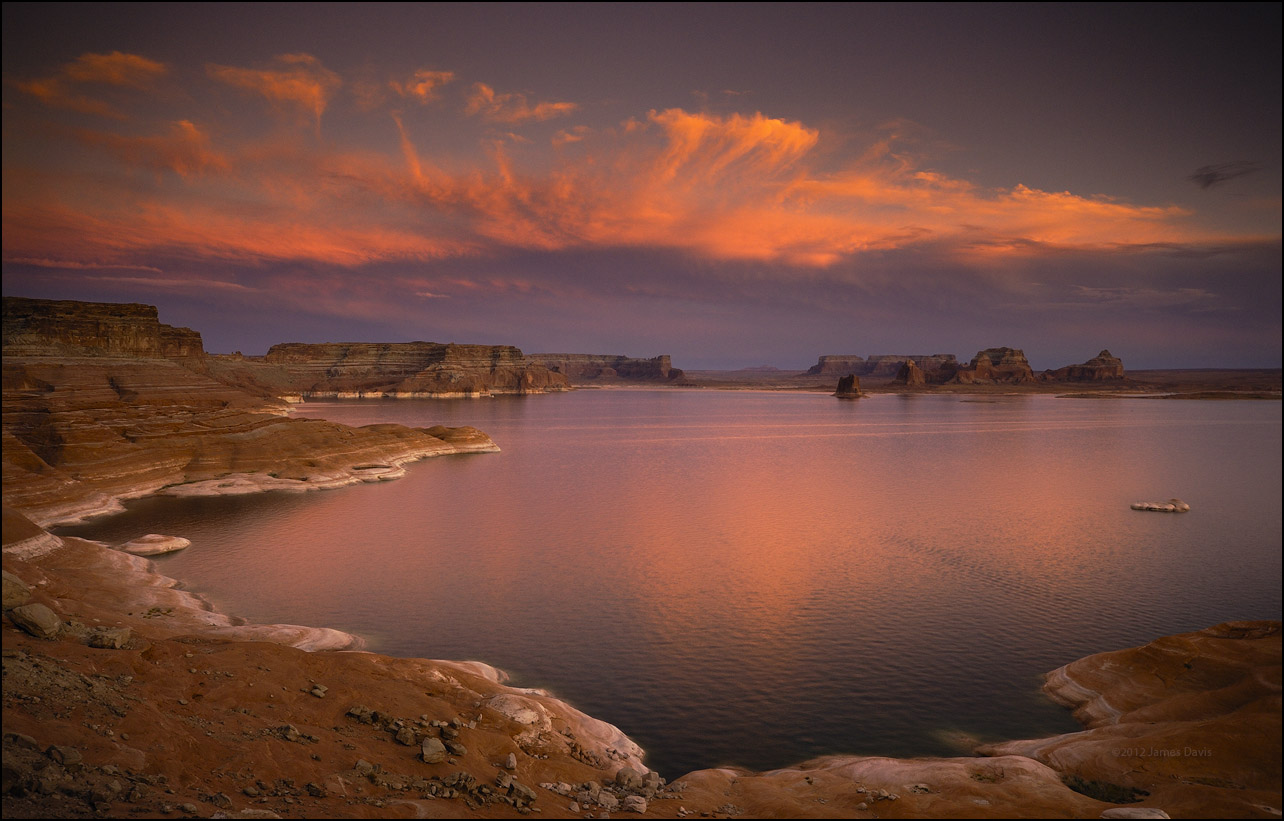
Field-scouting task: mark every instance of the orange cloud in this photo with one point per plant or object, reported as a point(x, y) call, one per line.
point(300, 81)
point(423, 85)
point(115, 69)
point(734, 187)
point(185, 150)
point(512, 107)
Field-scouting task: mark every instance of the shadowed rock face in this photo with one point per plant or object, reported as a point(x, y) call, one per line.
point(882, 366)
point(1103, 367)
point(910, 375)
point(849, 387)
point(585, 368)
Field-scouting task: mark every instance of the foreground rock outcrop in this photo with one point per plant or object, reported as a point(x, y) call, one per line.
point(128, 695)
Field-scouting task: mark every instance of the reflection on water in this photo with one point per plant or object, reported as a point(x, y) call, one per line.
point(758, 578)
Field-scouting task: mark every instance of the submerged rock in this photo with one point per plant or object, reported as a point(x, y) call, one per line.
point(155, 544)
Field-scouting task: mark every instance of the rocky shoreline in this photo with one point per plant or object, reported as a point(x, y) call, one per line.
point(145, 701)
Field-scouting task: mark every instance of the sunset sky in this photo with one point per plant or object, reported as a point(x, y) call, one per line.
point(731, 185)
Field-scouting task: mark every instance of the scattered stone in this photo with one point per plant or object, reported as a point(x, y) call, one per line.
point(862, 806)
point(319, 690)
point(456, 748)
point(634, 803)
point(15, 591)
point(37, 620)
point(363, 767)
point(251, 791)
point(433, 751)
point(110, 638)
point(510, 763)
point(289, 732)
point(1135, 812)
point(406, 737)
point(66, 756)
point(608, 801)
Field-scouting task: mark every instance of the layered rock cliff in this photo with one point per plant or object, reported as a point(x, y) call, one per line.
point(590, 368)
point(395, 369)
point(996, 365)
point(1104, 367)
point(108, 410)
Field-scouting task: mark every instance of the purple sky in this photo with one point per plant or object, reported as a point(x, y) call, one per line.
point(731, 185)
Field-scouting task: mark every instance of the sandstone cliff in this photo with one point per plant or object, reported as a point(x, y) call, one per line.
point(398, 369)
point(108, 411)
point(1104, 367)
point(590, 368)
point(996, 365)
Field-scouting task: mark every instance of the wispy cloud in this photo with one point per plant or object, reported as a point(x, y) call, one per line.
point(424, 85)
point(512, 107)
point(1207, 176)
point(185, 150)
point(65, 88)
point(297, 81)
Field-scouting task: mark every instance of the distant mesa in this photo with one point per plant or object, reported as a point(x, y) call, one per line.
point(992, 366)
point(581, 369)
point(393, 369)
point(849, 387)
point(882, 366)
point(1103, 367)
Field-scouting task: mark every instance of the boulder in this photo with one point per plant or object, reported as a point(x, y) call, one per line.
point(433, 751)
point(37, 620)
point(16, 591)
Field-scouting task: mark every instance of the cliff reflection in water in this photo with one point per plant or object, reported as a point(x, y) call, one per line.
point(758, 578)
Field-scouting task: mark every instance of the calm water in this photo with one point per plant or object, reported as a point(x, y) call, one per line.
point(761, 578)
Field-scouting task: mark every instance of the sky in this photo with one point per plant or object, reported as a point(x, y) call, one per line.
point(732, 185)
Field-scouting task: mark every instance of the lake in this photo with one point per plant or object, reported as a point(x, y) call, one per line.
point(758, 578)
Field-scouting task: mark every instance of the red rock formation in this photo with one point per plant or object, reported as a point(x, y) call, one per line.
point(837, 365)
point(849, 387)
point(400, 369)
point(1103, 367)
point(996, 365)
point(910, 375)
